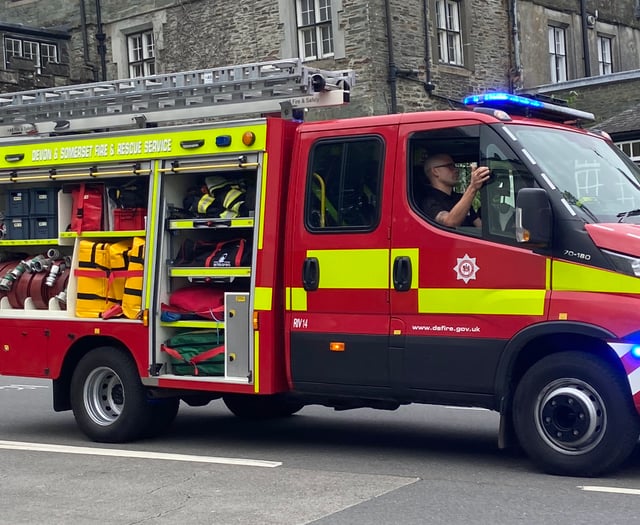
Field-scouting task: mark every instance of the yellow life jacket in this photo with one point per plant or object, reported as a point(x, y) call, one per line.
point(92, 278)
point(132, 297)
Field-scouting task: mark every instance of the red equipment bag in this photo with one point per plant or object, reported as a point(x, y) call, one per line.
point(224, 254)
point(199, 300)
point(87, 207)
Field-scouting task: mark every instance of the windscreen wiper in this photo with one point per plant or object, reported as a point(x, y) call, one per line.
point(622, 216)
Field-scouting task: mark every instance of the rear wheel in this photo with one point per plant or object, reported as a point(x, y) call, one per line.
point(261, 407)
point(109, 402)
point(574, 415)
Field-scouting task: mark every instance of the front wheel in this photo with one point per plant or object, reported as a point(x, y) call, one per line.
point(109, 402)
point(574, 415)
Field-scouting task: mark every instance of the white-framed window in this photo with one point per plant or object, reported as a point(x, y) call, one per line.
point(557, 54)
point(449, 32)
point(40, 53)
point(631, 148)
point(315, 32)
point(141, 53)
point(605, 62)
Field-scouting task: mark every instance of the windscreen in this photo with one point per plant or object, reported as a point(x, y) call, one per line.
point(594, 176)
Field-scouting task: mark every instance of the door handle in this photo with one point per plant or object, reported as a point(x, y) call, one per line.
point(310, 274)
point(402, 273)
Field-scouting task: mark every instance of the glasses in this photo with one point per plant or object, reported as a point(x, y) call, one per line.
point(450, 165)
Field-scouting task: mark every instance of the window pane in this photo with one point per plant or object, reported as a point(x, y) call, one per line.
point(635, 152)
point(148, 45)
point(307, 12)
point(557, 58)
point(309, 43)
point(135, 48)
point(344, 184)
point(327, 40)
point(30, 50)
point(324, 10)
point(13, 47)
point(449, 35)
point(49, 53)
point(440, 18)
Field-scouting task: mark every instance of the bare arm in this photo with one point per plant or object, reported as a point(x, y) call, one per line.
point(455, 217)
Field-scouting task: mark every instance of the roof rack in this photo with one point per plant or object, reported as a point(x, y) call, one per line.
point(258, 88)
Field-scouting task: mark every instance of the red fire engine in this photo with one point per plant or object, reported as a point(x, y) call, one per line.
point(274, 263)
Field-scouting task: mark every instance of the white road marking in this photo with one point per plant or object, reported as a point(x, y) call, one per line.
point(21, 387)
point(614, 490)
point(64, 449)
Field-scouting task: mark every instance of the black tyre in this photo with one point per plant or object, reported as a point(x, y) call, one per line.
point(574, 415)
point(261, 407)
point(162, 414)
point(109, 402)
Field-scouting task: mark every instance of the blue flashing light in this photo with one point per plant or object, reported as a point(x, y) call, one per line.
point(635, 351)
point(222, 141)
point(527, 106)
point(507, 98)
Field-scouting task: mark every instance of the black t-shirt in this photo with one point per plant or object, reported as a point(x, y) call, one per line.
point(436, 201)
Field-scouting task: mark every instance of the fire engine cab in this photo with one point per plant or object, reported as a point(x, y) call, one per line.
point(276, 263)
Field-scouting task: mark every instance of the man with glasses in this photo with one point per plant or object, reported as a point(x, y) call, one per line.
point(444, 205)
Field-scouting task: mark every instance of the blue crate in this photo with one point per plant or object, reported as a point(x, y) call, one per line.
point(43, 201)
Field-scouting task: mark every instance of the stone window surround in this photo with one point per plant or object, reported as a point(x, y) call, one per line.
point(118, 32)
point(289, 27)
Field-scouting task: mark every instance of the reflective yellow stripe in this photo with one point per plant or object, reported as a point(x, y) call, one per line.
point(152, 144)
point(353, 269)
point(256, 361)
point(263, 198)
point(262, 299)
point(298, 300)
point(575, 277)
point(152, 232)
point(480, 301)
point(414, 255)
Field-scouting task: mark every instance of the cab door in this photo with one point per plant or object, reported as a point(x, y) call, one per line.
point(459, 294)
point(338, 259)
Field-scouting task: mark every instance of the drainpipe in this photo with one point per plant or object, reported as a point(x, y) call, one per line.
point(100, 37)
point(428, 86)
point(85, 39)
point(393, 70)
point(516, 44)
point(585, 39)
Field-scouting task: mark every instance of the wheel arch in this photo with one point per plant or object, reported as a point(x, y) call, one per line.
point(81, 347)
point(540, 340)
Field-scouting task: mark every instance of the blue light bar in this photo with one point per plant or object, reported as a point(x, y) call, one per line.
point(475, 100)
point(530, 107)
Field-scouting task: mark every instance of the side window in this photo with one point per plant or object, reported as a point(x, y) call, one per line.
point(457, 152)
point(343, 184)
point(508, 176)
point(453, 152)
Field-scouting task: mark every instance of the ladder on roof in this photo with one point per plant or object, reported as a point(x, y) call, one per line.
point(263, 87)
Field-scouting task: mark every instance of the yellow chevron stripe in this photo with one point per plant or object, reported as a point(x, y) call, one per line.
point(480, 301)
point(262, 298)
point(353, 269)
point(576, 277)
point(298, 300)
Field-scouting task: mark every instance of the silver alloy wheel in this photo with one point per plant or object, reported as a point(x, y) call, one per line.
point(103, 396)
point(570, 416)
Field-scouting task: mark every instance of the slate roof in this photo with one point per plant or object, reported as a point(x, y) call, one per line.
point(626, 121)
